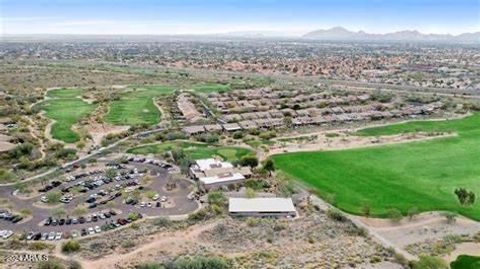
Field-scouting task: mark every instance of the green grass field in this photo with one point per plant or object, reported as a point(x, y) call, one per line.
point(194, 150)
point(422, 174)
point(466, 262)
point(211, 87)
point(66, 110)
point(136, 107)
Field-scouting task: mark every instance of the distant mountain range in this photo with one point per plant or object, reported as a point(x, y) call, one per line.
point(342, 34)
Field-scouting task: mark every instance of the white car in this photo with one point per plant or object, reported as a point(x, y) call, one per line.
point(97, 229)
point(44, 236)
point(30, 235)
point(44, 199)
point(6, 234)
point(58, 236)
point(164, 199)
point(91, 231)
point(156, 197)
point(51, 236)
point(75, 234)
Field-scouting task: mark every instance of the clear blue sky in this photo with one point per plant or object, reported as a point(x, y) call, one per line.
point(214, 16)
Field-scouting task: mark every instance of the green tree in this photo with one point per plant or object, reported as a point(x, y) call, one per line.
point(465, 197)
point(412, 212)
point(251, 161)
point(53, 197)
point(395, 215)
point(269, 166)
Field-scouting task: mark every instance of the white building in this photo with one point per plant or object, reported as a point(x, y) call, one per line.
point(262, 207)
point(213, 173)
point(221, 180)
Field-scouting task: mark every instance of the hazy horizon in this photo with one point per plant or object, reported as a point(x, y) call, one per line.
point(278, 17)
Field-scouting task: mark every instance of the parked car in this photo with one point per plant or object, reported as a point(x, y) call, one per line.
point(91, 231)
point(58, 236)
point(30, 235)
point(97, 229)
point(51, 236)
point(6, 233)
point(37, 236)
point(17, 219)
point(74, 234)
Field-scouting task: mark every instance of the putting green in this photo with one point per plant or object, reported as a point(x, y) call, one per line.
point(136, 107)
point(194, 150)
point(65, 109)
point(422, 174)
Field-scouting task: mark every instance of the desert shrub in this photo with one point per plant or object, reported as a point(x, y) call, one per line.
point(238, 135)
point(50, 264)
point(429, 262)
point(70, 246)
point(200, 262)
point(162, 222)
point(128, 244)
point(257, 184)
point(336, 215)
point(150, 265)
point(217, 198)
point(37, 246)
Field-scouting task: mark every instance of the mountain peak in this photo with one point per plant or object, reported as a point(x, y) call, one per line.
point(340, 33)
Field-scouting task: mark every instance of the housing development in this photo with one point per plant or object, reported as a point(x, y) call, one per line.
point(330, 149)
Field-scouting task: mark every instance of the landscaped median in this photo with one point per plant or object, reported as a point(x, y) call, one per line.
point(383, 180)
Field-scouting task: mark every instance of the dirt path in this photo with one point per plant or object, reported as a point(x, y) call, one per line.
point(169, 242)
point(33, 133)
point(345, 141)
point(372, 232)
point(468, 248)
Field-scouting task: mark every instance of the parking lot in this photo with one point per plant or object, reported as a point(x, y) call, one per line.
point(109, 200)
